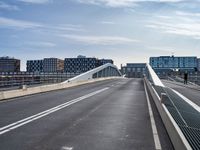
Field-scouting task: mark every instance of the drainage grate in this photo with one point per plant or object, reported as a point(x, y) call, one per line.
point(192, 135)
point(187, 118)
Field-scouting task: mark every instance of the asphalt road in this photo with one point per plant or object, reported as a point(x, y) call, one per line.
point(106, 115)
point(189, 91)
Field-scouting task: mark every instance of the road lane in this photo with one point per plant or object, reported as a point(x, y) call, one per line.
point(114, 119)
point(27, 120)
point(191, 93)
point(23, 107)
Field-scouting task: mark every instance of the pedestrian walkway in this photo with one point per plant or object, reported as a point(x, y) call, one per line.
point(191, 92)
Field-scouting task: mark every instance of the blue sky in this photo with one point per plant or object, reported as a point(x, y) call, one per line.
point(123, 30)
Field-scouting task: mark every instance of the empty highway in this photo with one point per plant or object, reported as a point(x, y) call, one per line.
point(106, 115)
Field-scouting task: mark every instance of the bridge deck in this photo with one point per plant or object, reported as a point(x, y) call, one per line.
point(108, 115)
point(190, 91)
point(186, 116)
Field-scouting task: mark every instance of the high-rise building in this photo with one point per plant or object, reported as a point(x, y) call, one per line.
point(47, 65)
point(198, 64)
point(133, 70)
point(164, 64)
point(105, 61)
point(34, 66)
point(79, 65)
point(53, 65)
point(70, 65)
point(82, 64)
point(8, 64)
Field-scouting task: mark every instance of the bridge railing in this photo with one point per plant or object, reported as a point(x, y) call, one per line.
point(170, 105)
point(104, 71)
point(14, 80)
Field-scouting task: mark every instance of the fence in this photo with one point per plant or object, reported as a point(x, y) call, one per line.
point(14, 79)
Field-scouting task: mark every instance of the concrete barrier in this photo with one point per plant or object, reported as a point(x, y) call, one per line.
point(1, 95)
point(177, 138)
point(46, 88)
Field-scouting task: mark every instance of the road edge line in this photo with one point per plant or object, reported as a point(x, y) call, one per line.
point(37, 116)
point(153, 124)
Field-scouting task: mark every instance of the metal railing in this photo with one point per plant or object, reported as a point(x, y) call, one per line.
point(107, 70)
point(181, 120)
point(16, 80)
point(192, 80)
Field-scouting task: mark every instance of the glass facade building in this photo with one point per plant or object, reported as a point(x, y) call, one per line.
point(133, 70)
point(34, 66)
point(83, 64)
point(8, 64)
point(167, 63)
point(79, 65)
point(53, 65)
point(105, 61)
point(47, 65)
point(198, 64)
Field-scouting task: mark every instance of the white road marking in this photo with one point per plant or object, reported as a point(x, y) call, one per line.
point(195, 106)
point(66, 148)
point(153, 124)
point(27, 120)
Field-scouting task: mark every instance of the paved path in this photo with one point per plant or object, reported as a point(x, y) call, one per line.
point(190, 91)
point(106, 115)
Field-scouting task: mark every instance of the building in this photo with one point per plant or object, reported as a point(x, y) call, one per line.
point(47, 65)
point(167, 64)
point(133, 70)
point(34, 66)
point(79, 64)
point(53, 65)
point(8, 64)
point(83, 64)
point(105, 61)
point(198, 64)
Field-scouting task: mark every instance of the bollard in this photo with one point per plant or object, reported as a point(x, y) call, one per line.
point(164, 98)
point(23, 87)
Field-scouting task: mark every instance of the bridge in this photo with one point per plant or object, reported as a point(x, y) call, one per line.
point(102, 110)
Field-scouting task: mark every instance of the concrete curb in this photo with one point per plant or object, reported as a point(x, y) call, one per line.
point(46, 88)
point(177, 138)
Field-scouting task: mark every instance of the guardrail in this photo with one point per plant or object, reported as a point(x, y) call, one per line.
point(152, 76)
point(14, 80)
point(107, 71)
point(167, 109)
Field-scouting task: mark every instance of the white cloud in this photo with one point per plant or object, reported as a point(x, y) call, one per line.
point(35, 1)
point(187, 14)
point(107, 22)
point(124, 3)
point(6, 6)
point(68, 27)
point(21, 24)
point(100, 40)
point(169, 50)
point(164, 17)
point(182, 23)
point(185, 29)
point(42, 44)
point(6, 22)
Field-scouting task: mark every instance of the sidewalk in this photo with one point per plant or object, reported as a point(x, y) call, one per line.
point(192, 92)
